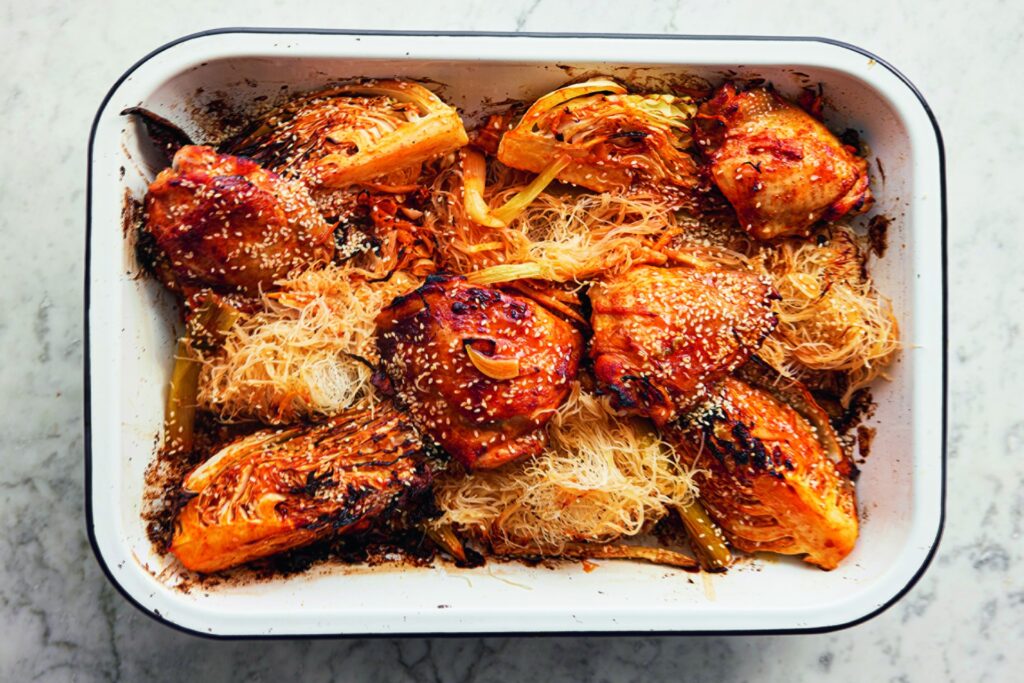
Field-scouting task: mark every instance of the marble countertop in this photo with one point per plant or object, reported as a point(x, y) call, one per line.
point(60, 618)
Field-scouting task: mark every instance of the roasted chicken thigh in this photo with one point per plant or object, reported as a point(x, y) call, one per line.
point(224, 222)
point(780, 168)
point(664, 336)
point(480, 370)
point(764, 476)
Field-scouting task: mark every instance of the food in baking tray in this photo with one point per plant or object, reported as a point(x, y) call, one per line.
point(618, 321)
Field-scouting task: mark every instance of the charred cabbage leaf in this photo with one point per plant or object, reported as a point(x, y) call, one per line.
point(614, 140)
point(765, 475)
point(353, 133)
point(284, 488)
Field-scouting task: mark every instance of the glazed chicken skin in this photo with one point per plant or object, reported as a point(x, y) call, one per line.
point(480, 370)
point(281, 489)
point(664, 336)
point(779, 167)
point(764, 476)
point(224, 222)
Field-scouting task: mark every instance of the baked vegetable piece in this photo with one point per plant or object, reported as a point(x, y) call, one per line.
point(664, 336)
point(225, 222)
point(340, 136)
point(281, 489)
point(780, 168)
point(480, 370)
point(765, 477)
point(613, 140)
point(209, 318)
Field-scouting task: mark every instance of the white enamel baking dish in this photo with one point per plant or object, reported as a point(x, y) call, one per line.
point(131, 333)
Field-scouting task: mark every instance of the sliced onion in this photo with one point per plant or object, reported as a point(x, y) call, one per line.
point(513, 207)
point(493, 367)
point(400, 91)
point(474, 175)
point(446, 539)
point(506, 272)
point(203, 476)
point(599, 551)
point(706, 539)
point(571, 92)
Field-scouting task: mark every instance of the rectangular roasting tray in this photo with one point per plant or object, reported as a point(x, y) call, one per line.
point(131, 332)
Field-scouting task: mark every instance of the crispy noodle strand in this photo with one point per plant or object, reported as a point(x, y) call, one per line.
point(831, 317)
point(569, 236)
point(602, 477)
point(299, 356)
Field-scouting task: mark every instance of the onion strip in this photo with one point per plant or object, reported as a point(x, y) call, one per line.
point(514, 206)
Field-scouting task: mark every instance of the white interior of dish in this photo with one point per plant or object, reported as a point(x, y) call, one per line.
point(132, 336)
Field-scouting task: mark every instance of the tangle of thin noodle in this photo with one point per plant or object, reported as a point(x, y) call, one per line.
point(570, 236)
point(602, 477)
point(831, 317)
point(306, 353)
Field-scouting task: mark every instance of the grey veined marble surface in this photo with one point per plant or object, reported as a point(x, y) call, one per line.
point(59, 618)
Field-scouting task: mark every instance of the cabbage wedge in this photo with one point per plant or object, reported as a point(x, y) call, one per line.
point(353, 133)
point(765, 476)
point(614, 140)
point(279, 489)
